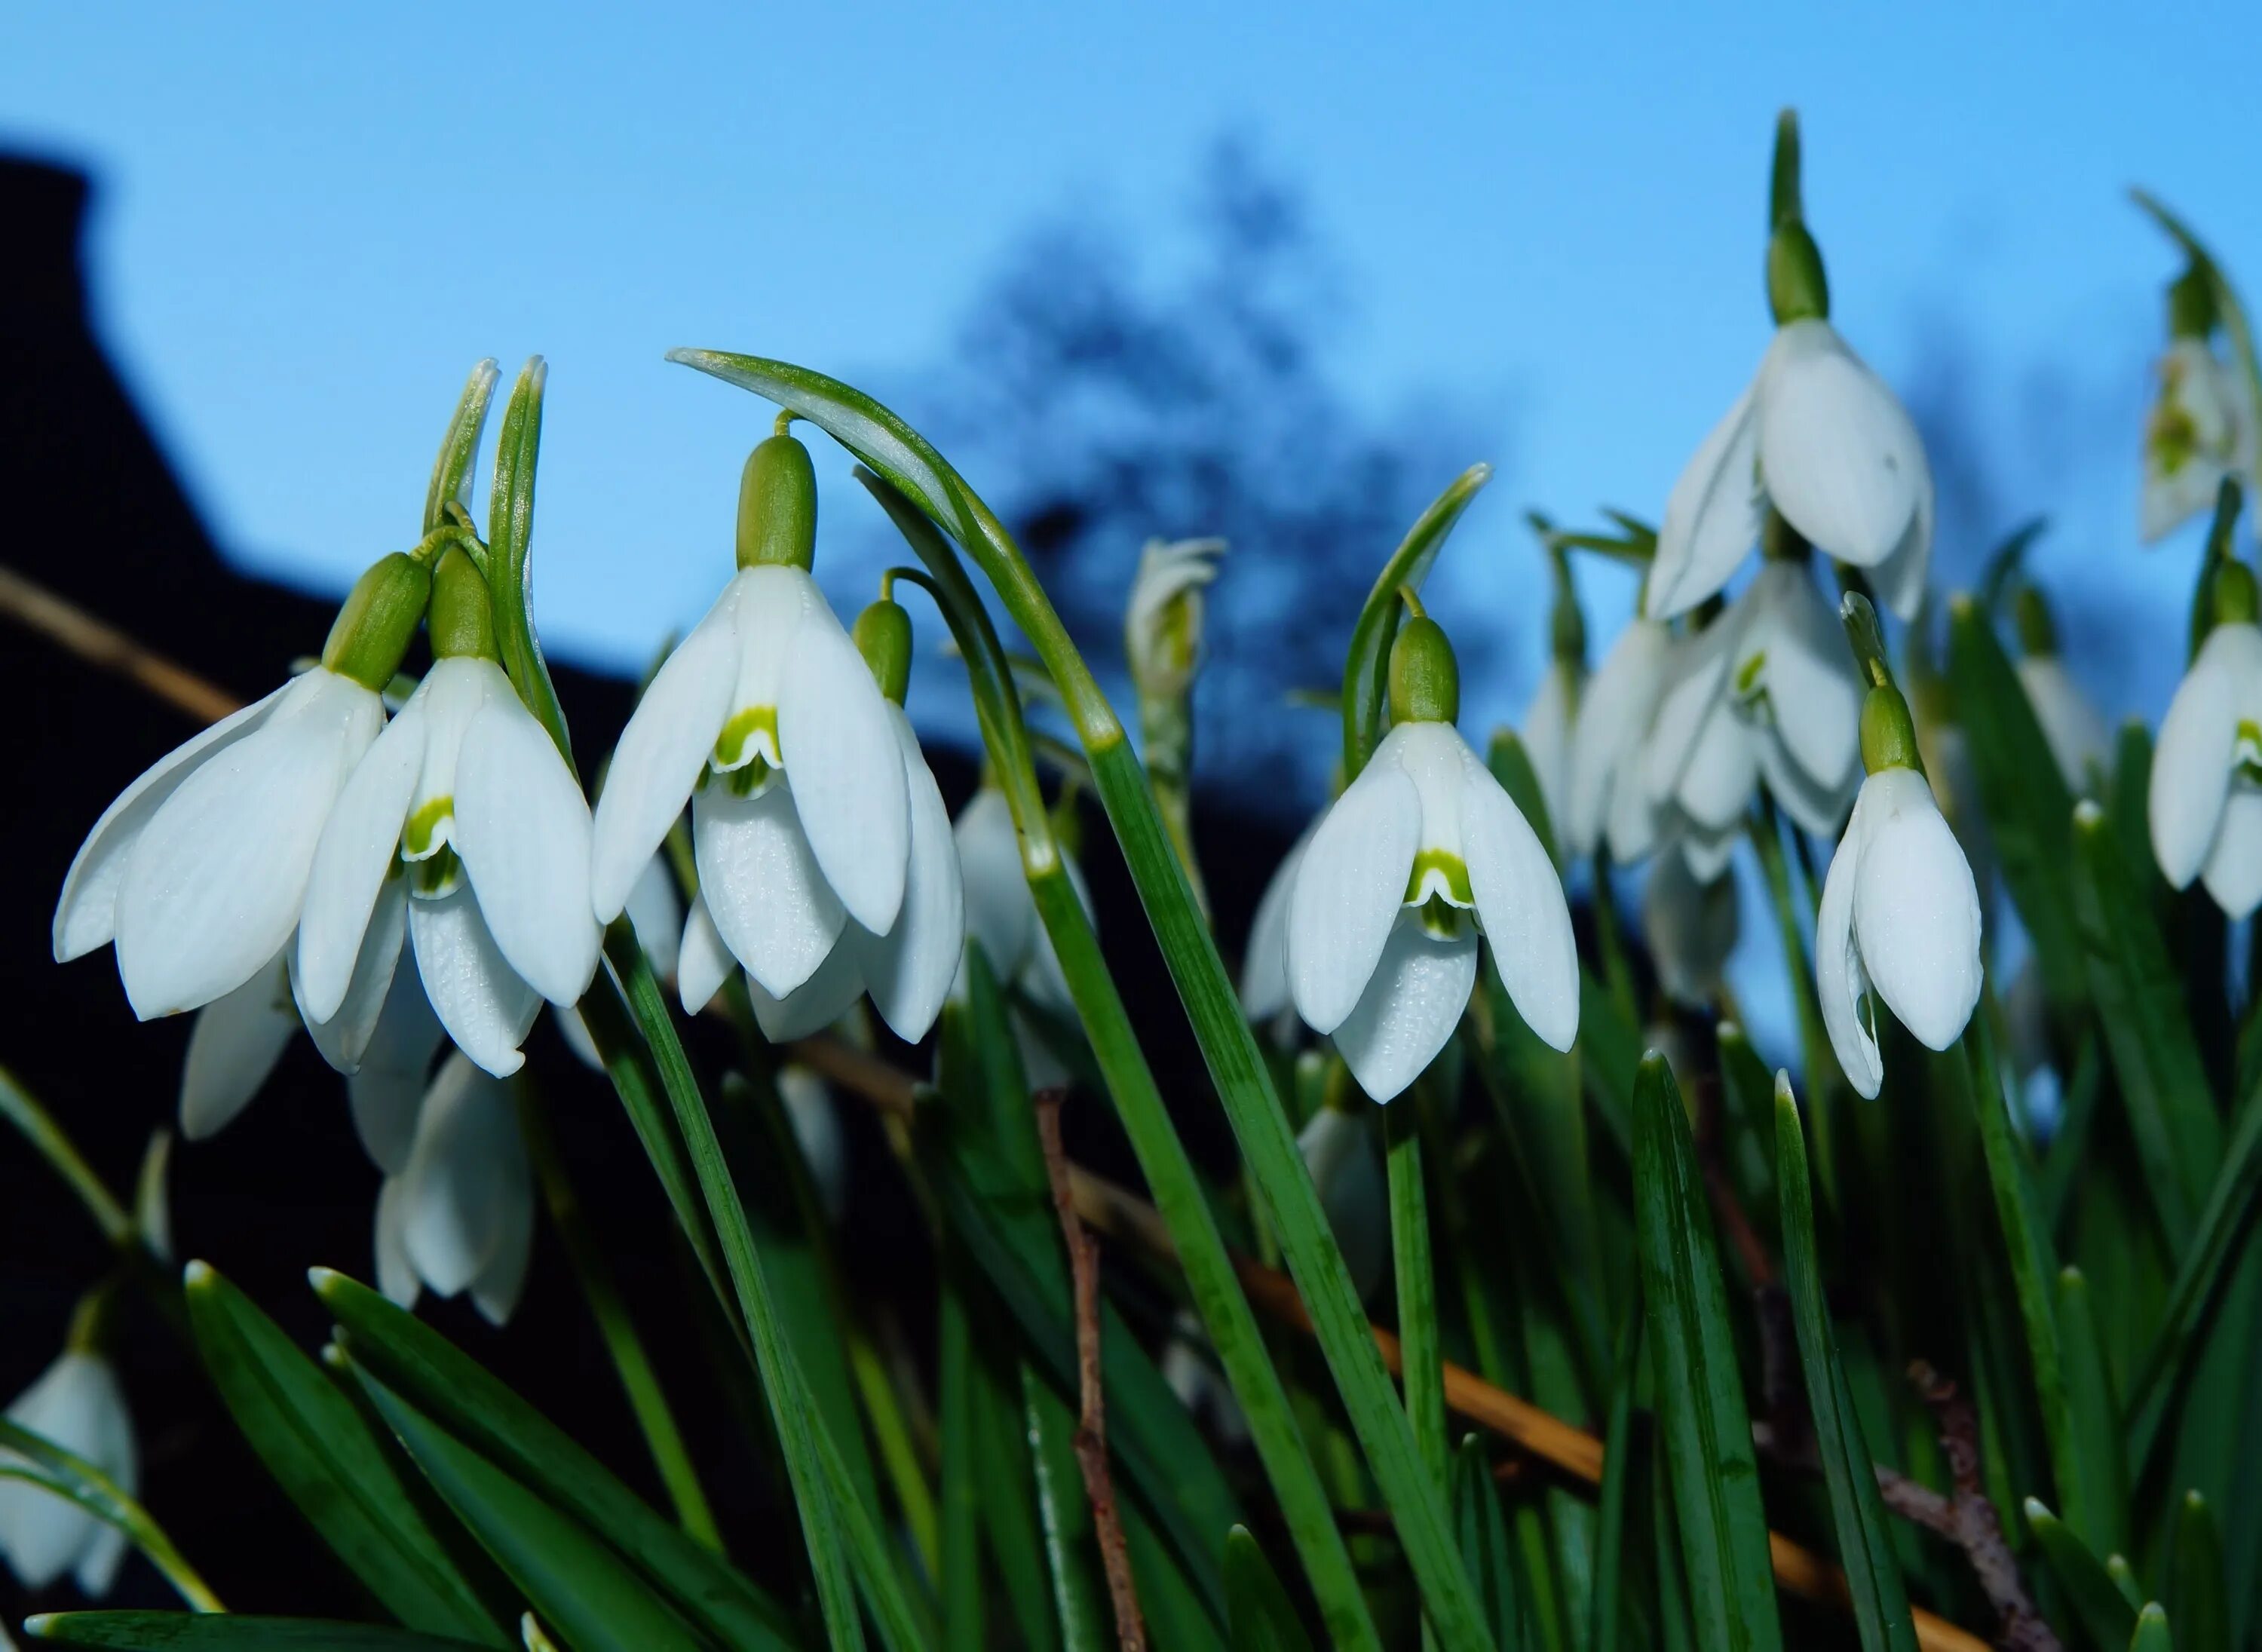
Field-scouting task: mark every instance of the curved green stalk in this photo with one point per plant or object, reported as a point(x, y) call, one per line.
point(510, 526)
point(1236, 1064)
point(49, 1141)
point(1171, 1175)
point(76, 1481)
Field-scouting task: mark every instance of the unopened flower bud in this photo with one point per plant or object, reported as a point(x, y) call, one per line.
point(777, 506)
point(1163, 622)
point(378, 621)
point(1425, 683)
point(462, 618)
point(883, 637)
point(1888, 732)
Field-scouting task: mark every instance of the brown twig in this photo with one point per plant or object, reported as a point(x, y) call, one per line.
point(71, 627)
point(1911, 1499)
point(1091, 1419)
point(1978, 1530)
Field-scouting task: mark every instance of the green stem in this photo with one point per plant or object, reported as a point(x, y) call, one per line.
point(78, 1482)
point(1617, 976)
point(883, 1409)
point(647, 1399)
point(794, 1421)
point(1820, 1066)
point(1422, 1366)
point(49, 1141)
point(1229, 1047)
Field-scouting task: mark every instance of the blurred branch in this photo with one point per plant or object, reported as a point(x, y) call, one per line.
point(73, 628)
point(1978, 1529)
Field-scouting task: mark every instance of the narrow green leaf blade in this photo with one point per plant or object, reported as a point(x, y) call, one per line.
point(460, 445)
point(226, 1632)
point(2106, 1616)
point(1485, 1549)
point(2093, 1417)
point(510, 571)
point(447, 1385)
point(1704, 1428)
point(2198, 1593)
point(323, 1455)
point(1257, 1609)
point(2151, 1632)
point(1865, 1543)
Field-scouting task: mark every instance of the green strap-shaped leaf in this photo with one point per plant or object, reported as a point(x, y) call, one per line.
point(1865, 1543)
point(2093, 1417)
point(2198, 1593)
point(2151, 1630)
point(964, 1615)
point(224, 1632)
point(451, 472)
point(2021, 792)
point(2106, 1616)
point(577, 1582)
point(1485, 1549)
point(1703, 1425)
point(323, 1455)
point(2155, 1052)
point(1619, 1482)
point(1257, 1608)
point(1511, 765)
point(1065, 1515)
point(461, 1395)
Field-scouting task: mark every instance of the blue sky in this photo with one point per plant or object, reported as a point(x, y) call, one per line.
point(313, 220)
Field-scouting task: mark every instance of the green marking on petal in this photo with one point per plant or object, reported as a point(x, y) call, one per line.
point(749, 777)
point(1441, 919)
point(1748, 675)
point(1450, 867)
point(731, 746)
point(435, 876)
point(422, 835)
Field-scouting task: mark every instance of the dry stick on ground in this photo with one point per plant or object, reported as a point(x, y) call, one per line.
point(1109, 1209)
point(1092, 1417)
point(1978, 1530)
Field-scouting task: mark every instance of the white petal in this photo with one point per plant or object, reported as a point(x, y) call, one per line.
point(702, 962)
point(232, 1048)
point(523, 830)
point(1614, 717)
point(761, 884)
point(1547, 737)
point(478, 998)
point(1816, 807)
point(667, 742)
point(212, 888)
point(99, 1559)
point(1000, 911)
point(2191, 765)
point(86, 913)
point(1691, 927)
point(1264, 968)
point(1840, 981)
point(1707, 854)
point(1340, 1155)
point(1715, 787)
point(1693, 690)
point(1712, 515)
point(1898, 580)
point(2072, 727)
point(908, 970)
point(358, 847)
point(656, 915)
point(846, 770)
point(1916, 911)
point(575, 1032)
point(496, 1289)
point(396, 1274)
point(388, 1088)
point(1414, 1000)
point(815, 1004)
point(467, 1179)
point(816, 1124)
point(344, 1037)
point(1520, 902)
point(2234, 870)
point(1349, 889)
point(1838, 455)
point(1814, 695)
point(76, 1403)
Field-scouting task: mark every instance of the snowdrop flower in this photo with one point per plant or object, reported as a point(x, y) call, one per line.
point(464, 803)
point(907, 968)
point(1002, 915)
point(2072, 726)
point(656, 917)
point(767, 720)
point(460, 1214)
point(2206, 799)
point(1692, 925)
point(1607, 800)
point(1265, 967)
point(197, 871)
point(1769, 689)
point(1163, 624)
point(1816, 435)
point(1899, 921)
point(1339, 1152)
point(1423, 851)
point(2203, 425)
point(77, 1405)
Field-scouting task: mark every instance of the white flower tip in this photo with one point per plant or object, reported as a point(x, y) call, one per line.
point(1961, 605)
point(2087, 816)
point(1866, 1080)
point(1728, 1030)
point(197, 1275)
point(321, 1279)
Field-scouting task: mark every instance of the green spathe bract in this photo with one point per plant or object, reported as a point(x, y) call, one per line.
point(373, 631)
point(777, 506)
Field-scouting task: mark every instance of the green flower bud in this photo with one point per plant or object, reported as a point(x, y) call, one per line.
point(2234, 600)
point(777, 506)
point(1425, 681)
point(2191, 305)
point(1888, 732)
point(2037, 630)
point(1798, 290)
point(461, 620)
point(378, 621)
point(883, 637)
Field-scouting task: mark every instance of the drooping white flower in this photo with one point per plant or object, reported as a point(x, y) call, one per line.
point(465, 801)
point(1547, 731)
point(1899, 925)
point(1767, 689)
point(1265, 966)
point(197, 871)
point(1692, 925)
point(656, 915)
point(77, 1405)
point(1608, 799)
point(1818, 436)
point(1339, 1152)
point(2205, 804)
point(1002, 915)
point(460, 1214)
point(1423, 851)
point(1163, 622)
point(2202, 427)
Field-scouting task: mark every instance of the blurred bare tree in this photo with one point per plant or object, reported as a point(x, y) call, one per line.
point(1119, 407)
